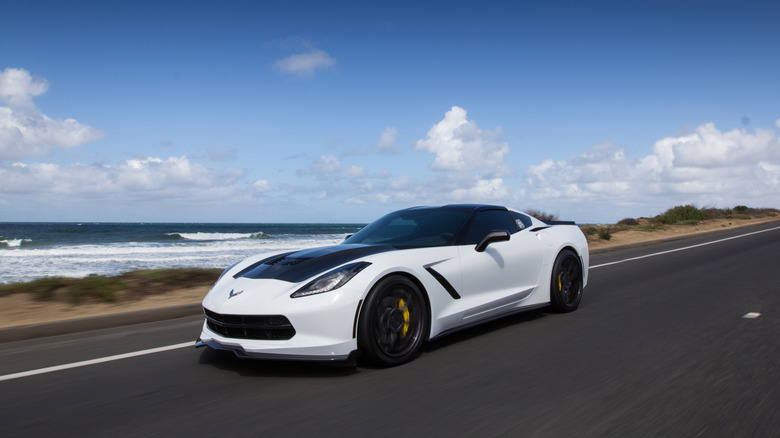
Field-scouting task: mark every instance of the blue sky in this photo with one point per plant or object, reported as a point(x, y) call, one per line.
point(342, 111)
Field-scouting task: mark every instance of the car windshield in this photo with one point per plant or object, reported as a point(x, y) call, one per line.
point(414, 228)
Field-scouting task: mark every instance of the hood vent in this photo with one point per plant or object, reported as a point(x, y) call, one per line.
point(295, 267)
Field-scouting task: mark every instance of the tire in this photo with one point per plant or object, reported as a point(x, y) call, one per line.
point(393, 323)
point(566, 282)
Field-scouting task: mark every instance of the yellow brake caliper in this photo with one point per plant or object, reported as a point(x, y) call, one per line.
point(402, 306)
point(560, 286)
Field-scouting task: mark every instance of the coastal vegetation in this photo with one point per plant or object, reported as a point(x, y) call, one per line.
point(679, 215)
point(128, 286)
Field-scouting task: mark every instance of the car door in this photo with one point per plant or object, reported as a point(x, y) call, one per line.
point(505, 274)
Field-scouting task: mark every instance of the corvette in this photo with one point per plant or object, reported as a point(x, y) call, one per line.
point(408, 277)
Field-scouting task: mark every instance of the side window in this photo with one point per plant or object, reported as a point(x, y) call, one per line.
point(487, 221)
point(522, 220)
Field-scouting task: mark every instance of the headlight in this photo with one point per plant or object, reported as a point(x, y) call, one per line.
point(330, 281)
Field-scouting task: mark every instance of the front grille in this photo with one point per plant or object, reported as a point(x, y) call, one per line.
point(260, 327)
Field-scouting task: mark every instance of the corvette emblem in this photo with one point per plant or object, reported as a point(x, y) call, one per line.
point(233, 293)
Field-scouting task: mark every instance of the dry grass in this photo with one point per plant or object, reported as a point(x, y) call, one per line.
point(685, 215)
point(126, 287)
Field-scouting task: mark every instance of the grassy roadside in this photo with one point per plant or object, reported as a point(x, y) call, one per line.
point(686, 215)
point(129, 286)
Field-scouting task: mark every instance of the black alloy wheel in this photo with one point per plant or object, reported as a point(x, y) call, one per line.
point(393, 322)
point(566, 282)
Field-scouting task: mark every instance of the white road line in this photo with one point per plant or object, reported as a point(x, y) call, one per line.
point(95, 361)
point(682, 249)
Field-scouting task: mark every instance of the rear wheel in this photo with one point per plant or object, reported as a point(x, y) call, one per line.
point(566, 282)
point(393, 322)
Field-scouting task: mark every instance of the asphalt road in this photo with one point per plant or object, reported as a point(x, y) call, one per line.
point(659, 347)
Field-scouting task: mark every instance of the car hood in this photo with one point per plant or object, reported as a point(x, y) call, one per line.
point(298, 266)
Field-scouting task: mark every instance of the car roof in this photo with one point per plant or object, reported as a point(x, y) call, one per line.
point(460, 207)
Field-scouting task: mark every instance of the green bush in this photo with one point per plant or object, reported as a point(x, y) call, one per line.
point(542, 215)
point(589, 230)
point(717, 213)
point(628, 221)
point(605, 234)
point(680, 214)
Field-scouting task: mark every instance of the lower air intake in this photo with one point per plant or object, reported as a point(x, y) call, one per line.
point(258, 327)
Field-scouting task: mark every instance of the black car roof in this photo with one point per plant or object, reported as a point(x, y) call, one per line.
point(460, 207)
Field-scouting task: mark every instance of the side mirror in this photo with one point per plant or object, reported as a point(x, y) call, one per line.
point(492, 237)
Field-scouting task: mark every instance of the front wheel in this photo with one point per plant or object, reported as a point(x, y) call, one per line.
point(393, 322)
point(566, 282)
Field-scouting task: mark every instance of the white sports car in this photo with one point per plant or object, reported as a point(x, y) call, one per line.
point(410, 276)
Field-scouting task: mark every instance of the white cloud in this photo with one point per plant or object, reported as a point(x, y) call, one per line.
point(459, 145)
point(707, 167)
point(261, 185)
point(24, 129)
point(354, 172)
point(326, 164)
point(485, 190)
point(304, 64)
point(470, 164)
point(17, 87)
point(148, 180)
point(404, 182)
point(387, 141)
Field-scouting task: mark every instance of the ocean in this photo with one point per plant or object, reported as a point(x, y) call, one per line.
point(29, 251)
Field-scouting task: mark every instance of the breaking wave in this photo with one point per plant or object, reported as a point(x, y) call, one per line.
point(14, 243)
point(201, 236)
point(75, 250)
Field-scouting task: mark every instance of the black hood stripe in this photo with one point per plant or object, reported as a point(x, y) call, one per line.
point(296, 267)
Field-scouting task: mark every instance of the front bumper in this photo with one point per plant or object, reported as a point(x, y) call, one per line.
point(258, 319)
point(240, 352)
point(316, 331)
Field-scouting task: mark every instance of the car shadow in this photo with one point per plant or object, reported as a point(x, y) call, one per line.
point(485, 328)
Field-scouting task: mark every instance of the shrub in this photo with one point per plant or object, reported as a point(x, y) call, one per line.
point(717, 213)
point(589, 230)
point(605, 234)
point(628, 221)
point(542, 215)
point(681, 213)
